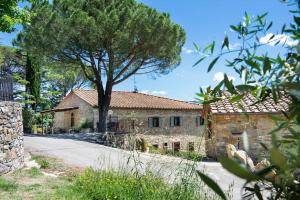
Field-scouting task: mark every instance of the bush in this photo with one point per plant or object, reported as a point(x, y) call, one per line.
point(116, 185)
point(84, 124)
point(190, 155)
point(28, 120)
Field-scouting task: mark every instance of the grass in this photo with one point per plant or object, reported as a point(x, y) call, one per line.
point(74, 184)
point(7, 186)
point(116, 185)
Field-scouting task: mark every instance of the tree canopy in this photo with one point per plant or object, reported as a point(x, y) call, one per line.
point(11, 13)
point(110, 40)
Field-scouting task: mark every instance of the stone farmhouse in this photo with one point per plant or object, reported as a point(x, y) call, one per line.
point(164, 123)
point(226, 122)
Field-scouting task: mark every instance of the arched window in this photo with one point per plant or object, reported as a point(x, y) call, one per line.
point(72, 120)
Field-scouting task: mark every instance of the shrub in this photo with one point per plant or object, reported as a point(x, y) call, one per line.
point(190, 155)
point(84, 124)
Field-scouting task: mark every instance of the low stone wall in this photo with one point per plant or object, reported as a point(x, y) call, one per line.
point(11, 137)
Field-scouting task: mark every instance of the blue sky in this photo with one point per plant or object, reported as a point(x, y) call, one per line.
point(203, 21)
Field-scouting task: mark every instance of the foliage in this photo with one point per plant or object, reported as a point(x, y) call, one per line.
point(109, 40)
point(33, 78)
point(7, 186)
point(115, 185)
point(189, 155)
point(28, 120)
point(265, 77)
point(43, 163)
point(85, 124)
point(11, 14)
point(57, 80)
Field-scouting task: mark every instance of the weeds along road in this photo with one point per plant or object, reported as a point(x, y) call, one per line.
point(74, 151)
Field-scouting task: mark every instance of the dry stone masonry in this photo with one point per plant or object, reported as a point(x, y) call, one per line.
point(11, 137)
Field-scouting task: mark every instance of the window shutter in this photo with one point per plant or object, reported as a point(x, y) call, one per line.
point(202, 121)
point(181, 121)
point(171, 121)
point(160, 122)
point(150, 122)
point(197, 121)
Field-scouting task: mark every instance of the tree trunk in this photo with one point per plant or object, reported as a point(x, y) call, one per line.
point(103, 107)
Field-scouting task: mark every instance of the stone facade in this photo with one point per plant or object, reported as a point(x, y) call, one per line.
point(189, 133)
point(228, 128)
point(62, 120)
point(11, 137)
point(136, 121)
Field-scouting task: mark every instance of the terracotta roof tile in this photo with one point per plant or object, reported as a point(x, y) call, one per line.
point(122, 99)
point(249, 106)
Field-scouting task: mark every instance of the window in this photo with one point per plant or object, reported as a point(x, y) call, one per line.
point(191, 146)
point(175, 121)
point(236, 133)
point(72, 120)
point(132, 124)
point(199, 121)
point(154, 122)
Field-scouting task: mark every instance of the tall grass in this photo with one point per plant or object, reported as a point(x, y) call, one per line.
point(106, 185)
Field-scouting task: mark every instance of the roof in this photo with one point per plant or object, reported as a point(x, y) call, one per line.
point(60, 109)
point(224, 106)
point(122, 99)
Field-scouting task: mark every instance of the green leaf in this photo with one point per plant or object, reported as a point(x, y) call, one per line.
point(225, 42)
point(236, 98)
point(247, 19)
point(245, 88)
point(209, 47)
point(235, 28)
point(229, 84)
point(211, 65)
point(253, 64)
point(266, 65)
point(278, 159)
point(270, 25)
point(237, 169)
point(199, 61)
point(196, 47)
point(297, 20)
point(212, 184)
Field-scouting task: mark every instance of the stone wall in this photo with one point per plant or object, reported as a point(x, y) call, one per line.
point(228, 128)
point(11, 137)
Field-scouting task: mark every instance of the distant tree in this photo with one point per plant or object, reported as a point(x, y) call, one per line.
point(33, 79)
point(57, 80)
point(110, 40)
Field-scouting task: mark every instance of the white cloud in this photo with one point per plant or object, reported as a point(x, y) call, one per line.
point(219, 76)
point(155, 92)
point(234, 46)
point(282, 38)
point(188, 51)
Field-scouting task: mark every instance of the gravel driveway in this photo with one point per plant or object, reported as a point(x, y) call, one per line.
point(81, 152)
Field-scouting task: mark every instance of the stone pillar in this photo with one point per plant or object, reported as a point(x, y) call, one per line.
point(11, 137)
